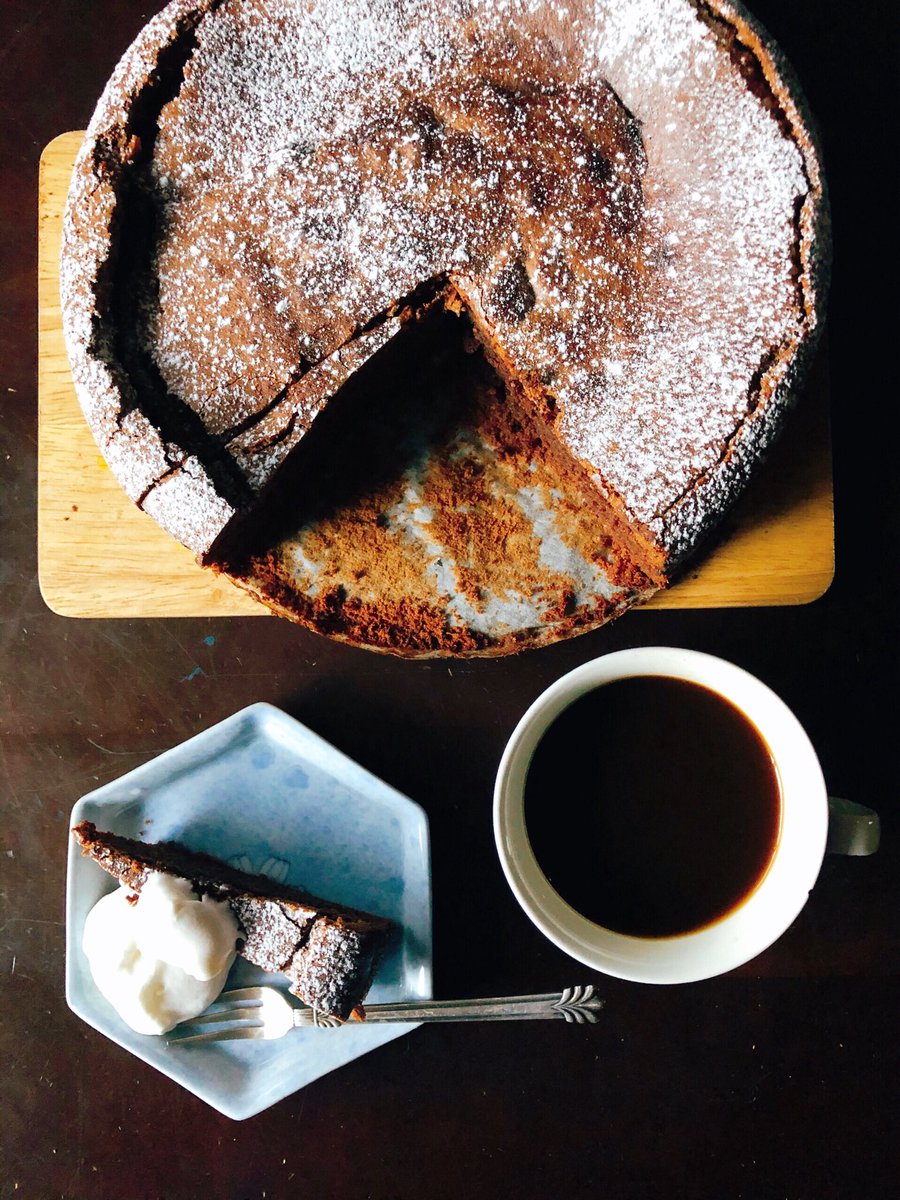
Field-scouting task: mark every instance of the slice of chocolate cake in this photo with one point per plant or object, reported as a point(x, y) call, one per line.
point(329, 952)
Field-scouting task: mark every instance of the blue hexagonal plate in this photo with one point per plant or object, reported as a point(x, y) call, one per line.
point(262, 788)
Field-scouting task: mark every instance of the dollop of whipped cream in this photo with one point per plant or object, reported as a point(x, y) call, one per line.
point(162, 956)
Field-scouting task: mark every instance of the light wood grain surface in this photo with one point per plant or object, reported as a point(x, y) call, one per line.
point(100, 556)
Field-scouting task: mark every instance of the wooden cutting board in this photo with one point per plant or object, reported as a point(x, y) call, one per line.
point(100, 556)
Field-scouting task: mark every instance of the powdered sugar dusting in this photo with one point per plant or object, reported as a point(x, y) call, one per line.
point(136, 452)
point(615, 206)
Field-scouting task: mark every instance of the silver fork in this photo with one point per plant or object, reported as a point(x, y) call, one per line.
point(264, 1012)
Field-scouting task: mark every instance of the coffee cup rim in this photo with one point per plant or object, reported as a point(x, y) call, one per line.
point(761, 917)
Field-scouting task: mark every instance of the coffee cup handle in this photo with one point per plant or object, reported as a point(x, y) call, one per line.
point(852, 828)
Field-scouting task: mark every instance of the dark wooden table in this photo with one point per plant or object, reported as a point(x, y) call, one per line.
point(779, 1080)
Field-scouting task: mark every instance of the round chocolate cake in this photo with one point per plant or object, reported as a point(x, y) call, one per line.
point(443, 328)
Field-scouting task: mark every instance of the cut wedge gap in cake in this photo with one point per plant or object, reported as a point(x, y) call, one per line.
point(261, 444)
point(423, 507)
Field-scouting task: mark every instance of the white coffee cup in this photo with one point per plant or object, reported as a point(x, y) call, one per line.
point(756, 922)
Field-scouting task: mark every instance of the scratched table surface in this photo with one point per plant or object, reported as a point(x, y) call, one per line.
point(779, 1080)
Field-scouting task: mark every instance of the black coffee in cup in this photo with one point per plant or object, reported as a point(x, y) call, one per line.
point(653, 806)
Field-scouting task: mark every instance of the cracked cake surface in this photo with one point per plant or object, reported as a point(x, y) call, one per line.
point(621, 201)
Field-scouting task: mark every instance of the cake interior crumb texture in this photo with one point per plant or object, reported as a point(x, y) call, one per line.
point(444, 328)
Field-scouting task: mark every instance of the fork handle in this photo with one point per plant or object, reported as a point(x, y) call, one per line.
point(576, 1005)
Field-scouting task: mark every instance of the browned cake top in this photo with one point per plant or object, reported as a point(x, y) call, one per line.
point(263, 277)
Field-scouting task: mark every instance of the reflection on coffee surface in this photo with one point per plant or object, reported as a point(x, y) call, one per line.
point(653, 806)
